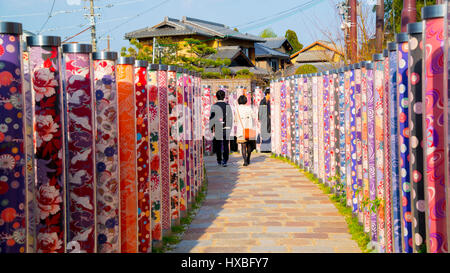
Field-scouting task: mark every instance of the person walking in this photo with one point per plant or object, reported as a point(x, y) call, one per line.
point(264, 117)
point(221, 122)
point(246, 133)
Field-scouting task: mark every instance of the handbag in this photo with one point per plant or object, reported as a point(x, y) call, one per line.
point(249, 134)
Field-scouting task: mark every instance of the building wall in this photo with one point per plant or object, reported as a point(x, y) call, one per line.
point(232, 84)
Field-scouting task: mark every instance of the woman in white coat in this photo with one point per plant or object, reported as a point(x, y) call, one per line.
point(244, 118)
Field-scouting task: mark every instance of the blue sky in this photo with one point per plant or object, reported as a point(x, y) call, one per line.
point(121, 17)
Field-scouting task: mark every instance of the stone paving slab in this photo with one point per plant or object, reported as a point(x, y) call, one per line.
point(268, 206)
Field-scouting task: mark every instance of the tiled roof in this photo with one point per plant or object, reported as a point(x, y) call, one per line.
point(315, 56)
point(276, 42)
point(190, 26)
point(262, 51)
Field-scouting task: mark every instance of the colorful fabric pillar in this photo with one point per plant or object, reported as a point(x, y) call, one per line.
point(187, 134)
point(364, 147)
point(164, 148)
point(358, 129)
point(206, 108)
point(107, 152)
point(353, 141)
point(333, 117)
point(315, 125)
point(173, 144)
point(127, 155)
point(387, 154)
point(49, 155)
point(143, 156)
point(371, 147)
point(181, 137)
point(13, 154)
point(435, 128)
point(299, 137)
point(415, 63)
point(379, 147)
point(155, 155)
point(290, 118)
point(403, 140)
point(81, 179)
point(395, 190)
point(258, 96)
point(30, 171)
point(326, 126)
point(283, 116)
point(191, 136)
point(348, 154)
point(321, 123)
point(307, 122)
point(342, 122)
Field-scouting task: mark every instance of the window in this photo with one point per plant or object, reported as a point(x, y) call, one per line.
point(245, 50)
point(274, 65)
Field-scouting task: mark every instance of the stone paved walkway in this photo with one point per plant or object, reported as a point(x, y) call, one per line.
point(265, 207)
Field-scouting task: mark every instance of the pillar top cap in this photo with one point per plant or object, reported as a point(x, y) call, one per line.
point(104, 55)
point(11, 28)
point(125, 60)
point(413, 28)
point(377, 57)
point(77, 48)
point(392, 46)
point(402, 37)
point(41, 40)
point(433, 11)
point(140, 63)
point(153, 67)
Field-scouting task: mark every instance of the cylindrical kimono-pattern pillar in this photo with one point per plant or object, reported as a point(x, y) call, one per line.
point(31, 216)
point(173, 144)
point(272, 120)
point(342, 132)
point(290, 116)
point(127, 155)
point(396, 217)
point(13, 148)
point(333, 117)
point(258, 96)
point(107, 153)
point(181, 137)
point(195, 126)
point(353, 141)
point(348, 154)
point(321, 123)
point(435, 125)
point(415, 63)
point(283, 117)
point(191, 139)
point(81, 179)
point(49, 154)
point(164, 148)
point(326, 126)
point(387, 154)
point(206, 108)
point(403, 141)
point(315, 125)
point(358, 128)
point(155, 155)
point(299, 137)
point(307, 114)
point(378, 90)
point(187, 135)
point(143, 156)
point(364, 146)
point(371, 147)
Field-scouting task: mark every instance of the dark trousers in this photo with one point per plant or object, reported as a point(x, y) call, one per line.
point(218, 144)
point(246, 150)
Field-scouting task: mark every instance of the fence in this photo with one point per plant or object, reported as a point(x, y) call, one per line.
point(377, 132)
point(97, 153)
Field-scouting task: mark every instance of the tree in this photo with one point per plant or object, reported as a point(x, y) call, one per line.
point(291, 36)
point(197, 57)
point(140, 51)
point(306, 69)
point(267, 33)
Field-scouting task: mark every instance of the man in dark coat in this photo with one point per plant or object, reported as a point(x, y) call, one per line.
point(264, 117)
point(221, 122)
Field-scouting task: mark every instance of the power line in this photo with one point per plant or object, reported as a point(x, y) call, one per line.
point(49, 15)
point(133, 17)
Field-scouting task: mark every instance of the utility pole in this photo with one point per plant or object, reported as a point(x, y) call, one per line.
point(353, 32)
point(91, 17)
point(379, 36)
point(409, 12)
point(108, 39)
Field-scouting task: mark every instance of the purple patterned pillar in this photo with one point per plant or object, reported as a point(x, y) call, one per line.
point(107, 152)
point(358, 129)
point(13, 147)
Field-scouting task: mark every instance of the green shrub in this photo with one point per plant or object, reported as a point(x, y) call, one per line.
point(306, 69)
